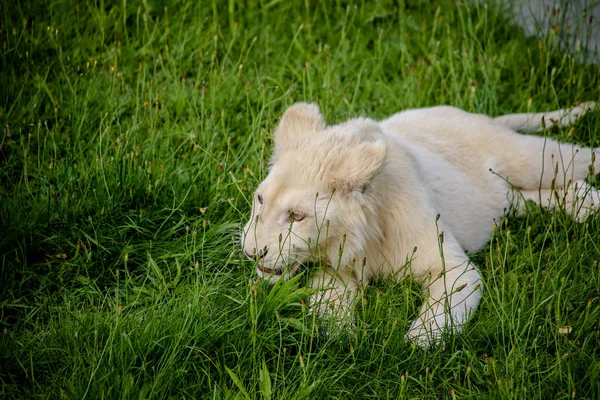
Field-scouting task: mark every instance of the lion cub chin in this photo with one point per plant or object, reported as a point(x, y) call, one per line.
point(411, 194)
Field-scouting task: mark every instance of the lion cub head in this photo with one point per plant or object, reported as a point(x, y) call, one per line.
point(317, 200)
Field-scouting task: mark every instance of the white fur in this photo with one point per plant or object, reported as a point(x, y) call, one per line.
point(368, 194)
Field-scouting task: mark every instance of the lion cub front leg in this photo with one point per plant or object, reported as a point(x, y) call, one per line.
point(454, 292)
point(335, 295)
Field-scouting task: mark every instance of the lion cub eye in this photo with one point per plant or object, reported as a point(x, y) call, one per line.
point(296, 216)
point(260, 199)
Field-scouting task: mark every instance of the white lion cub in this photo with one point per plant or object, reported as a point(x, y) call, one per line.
point(410, 194)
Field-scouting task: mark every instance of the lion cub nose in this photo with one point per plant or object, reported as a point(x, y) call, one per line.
point(259, 254)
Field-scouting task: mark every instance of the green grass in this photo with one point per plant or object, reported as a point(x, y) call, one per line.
point(132, 135)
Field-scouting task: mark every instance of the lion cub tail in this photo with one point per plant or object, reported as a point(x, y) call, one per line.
point(531, 123)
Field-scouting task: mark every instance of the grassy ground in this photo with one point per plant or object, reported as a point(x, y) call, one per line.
point(131, 138)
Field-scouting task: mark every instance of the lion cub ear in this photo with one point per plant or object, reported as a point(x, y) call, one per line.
point(300, 119)
point(358, 166)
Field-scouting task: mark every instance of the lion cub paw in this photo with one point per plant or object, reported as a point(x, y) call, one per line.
point(335, 319)
point(425, 333)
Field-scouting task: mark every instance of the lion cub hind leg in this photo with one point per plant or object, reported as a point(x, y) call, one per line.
point(535, 122)
point(453, 294)
point(578, 199)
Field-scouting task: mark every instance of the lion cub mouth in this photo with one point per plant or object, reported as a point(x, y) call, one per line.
point(270, 271)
